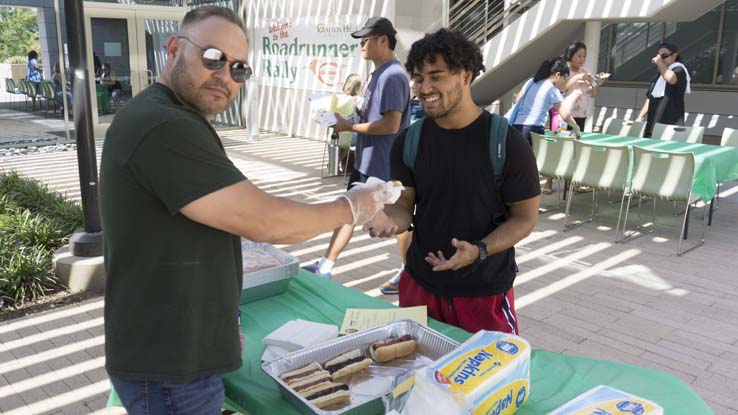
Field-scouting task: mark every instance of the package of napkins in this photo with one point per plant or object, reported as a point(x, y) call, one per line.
point(295, 335)
point(487, 374)
point(608, 401)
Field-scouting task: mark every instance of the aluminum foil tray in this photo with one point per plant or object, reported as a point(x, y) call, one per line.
point(269, 281)
point(367, 387)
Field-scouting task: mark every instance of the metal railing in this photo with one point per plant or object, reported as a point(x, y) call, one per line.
point(480, 20)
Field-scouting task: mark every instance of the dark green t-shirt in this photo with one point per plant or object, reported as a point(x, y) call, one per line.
point(173, 285)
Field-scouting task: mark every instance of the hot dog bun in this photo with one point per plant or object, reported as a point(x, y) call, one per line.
point(327, 394)
point(307, 382)
point(392, 348)
point(347, 363)
point(296, 374)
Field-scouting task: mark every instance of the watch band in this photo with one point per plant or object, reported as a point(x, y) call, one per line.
point(482, 251)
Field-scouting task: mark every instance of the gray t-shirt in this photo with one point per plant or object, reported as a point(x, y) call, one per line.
point(388, 90)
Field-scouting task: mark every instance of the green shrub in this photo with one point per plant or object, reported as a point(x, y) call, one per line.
point(25, 272)
point(6, 205)
point(17, 59)
point(34, 221)
point(35, 196)
point(31, 230)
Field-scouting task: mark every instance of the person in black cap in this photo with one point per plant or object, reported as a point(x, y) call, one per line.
point(383, 114)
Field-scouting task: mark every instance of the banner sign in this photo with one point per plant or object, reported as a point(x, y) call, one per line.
point(314, 53)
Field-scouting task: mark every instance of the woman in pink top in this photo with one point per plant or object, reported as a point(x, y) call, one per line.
point(579, 89)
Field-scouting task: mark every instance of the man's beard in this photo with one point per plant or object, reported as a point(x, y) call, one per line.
point(441, 110)
point(183, 85)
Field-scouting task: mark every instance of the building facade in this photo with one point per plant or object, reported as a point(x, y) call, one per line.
point(300, 50)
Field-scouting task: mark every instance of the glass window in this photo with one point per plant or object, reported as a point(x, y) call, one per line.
point(632, 49)
point(230, 4)
point(728, 64)
point(697, 41)
point(602, 63)
point(111, 58)
point(172, 3)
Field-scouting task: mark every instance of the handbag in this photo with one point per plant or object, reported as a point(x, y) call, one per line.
point(513, 112)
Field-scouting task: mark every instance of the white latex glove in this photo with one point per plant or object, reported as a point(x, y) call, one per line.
point(366, 201)
point(381, 225)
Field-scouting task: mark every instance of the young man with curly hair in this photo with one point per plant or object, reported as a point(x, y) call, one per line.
point(461, 261)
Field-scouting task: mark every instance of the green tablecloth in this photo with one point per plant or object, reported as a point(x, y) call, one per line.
point(555, 378)
point(713, 164)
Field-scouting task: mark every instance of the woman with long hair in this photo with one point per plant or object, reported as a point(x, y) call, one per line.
point(581, 87)
point(539, 95)
point(665, 97)
point(33, 75)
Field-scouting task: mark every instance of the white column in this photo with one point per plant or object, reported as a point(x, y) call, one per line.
point(592, 40)
point(506, 101)
point(49, 52)
point(445, 6)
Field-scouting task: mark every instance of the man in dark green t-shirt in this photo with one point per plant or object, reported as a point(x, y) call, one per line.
point(173, 209)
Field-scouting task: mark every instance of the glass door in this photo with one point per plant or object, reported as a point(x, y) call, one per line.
point(112, 58)
point(155, 29)
point(126, 51)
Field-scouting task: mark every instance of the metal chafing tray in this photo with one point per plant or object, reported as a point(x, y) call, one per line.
point(367, 387)
point(268, 281)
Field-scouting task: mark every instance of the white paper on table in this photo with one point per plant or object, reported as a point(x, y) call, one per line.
point(357, 319)
point(297, 334)
point(392, 190)
point(273, 352)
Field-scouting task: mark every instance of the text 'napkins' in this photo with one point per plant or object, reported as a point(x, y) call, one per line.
point(606, 400)
point(487, 374)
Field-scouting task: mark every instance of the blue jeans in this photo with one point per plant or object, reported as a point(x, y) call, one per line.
point(200, 397)
point(526, 129)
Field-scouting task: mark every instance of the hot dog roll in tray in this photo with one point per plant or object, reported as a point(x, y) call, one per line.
point(366, 387)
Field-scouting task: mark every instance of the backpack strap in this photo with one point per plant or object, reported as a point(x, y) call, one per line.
point(410, 147)
point(497, 141)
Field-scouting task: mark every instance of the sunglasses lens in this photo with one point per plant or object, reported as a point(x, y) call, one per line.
point(240, 72)
point(213, 58)
point(665, 55)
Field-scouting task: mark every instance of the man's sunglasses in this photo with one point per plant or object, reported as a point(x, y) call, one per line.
point(214, 59)
point(666, 55)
